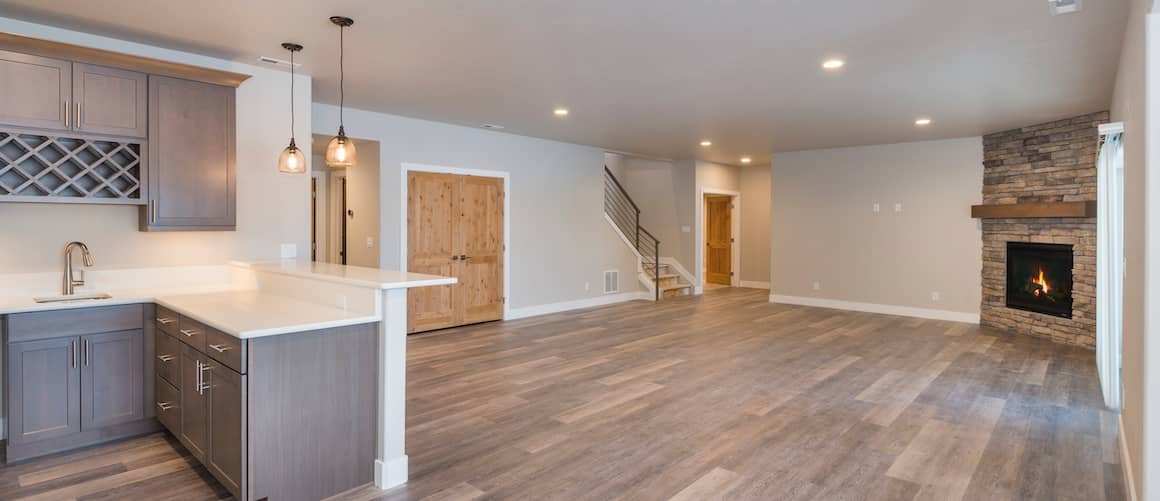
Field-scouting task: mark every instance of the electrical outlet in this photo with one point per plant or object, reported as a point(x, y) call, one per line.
point(340, 301)
point(587, 286)
point(898, 207)
point(817, 286)
point(935, 296)
point(370, 242)
point(877, 207)
point(289, 251)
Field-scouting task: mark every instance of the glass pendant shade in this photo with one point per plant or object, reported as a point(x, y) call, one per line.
point(292, 161)
point(340, 153)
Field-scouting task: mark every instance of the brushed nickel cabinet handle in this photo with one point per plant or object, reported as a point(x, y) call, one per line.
point(153, 211)
point(72, 354)
point(164, 406)
point(78, 115)
point(189, 332)
point(165, 358)
point(165, 321)
point(86, 345)
point(221, 348)
point(67, 108)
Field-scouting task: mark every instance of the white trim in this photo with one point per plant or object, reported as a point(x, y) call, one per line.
point(885, 309)
point(699, 236)
point(507, 226)
point(1111, 128)
point(1126, 461)
point(591, 302)
point(679, 268)
point(753, 284)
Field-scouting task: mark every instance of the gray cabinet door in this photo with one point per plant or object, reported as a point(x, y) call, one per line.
point(194, 404)
point(110, 101)
point(112, 379)
point(227, 420)
point(191, 156)
point(45, 392)
point(34, 91)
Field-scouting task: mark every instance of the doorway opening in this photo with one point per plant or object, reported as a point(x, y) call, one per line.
point(345, 207)
point(719, 235)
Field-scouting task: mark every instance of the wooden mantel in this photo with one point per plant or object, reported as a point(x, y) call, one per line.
point(1034, 210)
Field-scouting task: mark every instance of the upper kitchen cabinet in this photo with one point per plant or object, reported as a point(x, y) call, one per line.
point(109, 100)
point(191, 156)
point(35, 91)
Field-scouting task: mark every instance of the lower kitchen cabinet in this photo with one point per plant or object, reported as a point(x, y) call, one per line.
point(227, 420)
point(75, 378)
point(194, 404)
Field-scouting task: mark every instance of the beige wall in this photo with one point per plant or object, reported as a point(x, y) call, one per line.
point(659, 190)
point(823, 228)
point(362, 191)
point(1128, 106)
point(272, 208)
point(755, 214)
point(559, 238)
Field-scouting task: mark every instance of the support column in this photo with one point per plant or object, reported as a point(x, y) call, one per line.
point(391, 464)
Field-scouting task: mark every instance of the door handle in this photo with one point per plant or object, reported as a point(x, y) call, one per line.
point(78, 120)
point(464, 258)
point(201, 384)
point(86, 345)
point(455, 258)
point(72, 354)
point(67, 109)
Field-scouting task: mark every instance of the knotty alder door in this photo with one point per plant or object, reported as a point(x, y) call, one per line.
point(719, 239)
point(455, 228)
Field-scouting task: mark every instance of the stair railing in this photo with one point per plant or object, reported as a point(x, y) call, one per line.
point(625, 214)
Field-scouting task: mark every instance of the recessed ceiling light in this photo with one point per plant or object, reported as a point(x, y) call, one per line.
point(833, 64)
point(922, 121)
point(746, 160)
point(561, 112)
point(706, 143)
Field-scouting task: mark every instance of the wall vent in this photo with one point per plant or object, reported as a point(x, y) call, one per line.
point(611, 281)
point(1065, 6)
point(277, 62)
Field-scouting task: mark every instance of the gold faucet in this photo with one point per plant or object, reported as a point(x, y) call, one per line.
point(70, 282)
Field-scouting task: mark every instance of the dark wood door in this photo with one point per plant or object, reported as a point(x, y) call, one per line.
point(109, 100)
point(719, 239)
point(455, 228)
point(45, 390)
point(227, 420)
point(194, 403)
point(112, 372)
point(191, 156)
point(35, 91)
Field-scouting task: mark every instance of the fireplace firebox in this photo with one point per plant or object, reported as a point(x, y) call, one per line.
point(1039, 278)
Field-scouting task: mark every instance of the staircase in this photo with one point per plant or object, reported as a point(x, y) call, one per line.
point(662, 276)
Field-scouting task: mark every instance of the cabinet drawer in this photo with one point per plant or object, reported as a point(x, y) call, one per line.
point(168, 352)
point(191, 332)
point(168, 405)
point(224, 348)
point(167, 320)
point(74, 322)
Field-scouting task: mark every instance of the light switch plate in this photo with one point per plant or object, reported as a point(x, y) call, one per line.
point(898, 207)
point(370, 242)
point(877, 207)
point(686, 229)
point(289, 251)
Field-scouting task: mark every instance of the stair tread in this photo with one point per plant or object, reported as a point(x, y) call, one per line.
point(668, 275)
point(675, 287)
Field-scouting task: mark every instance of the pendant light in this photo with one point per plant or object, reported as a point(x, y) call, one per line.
point(340, 152)
point(292, 160)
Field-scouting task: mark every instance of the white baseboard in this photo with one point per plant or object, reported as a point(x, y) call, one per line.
point(753, 284)
point(545, 309)
point(885, 309)
point(1126, 461)
point(391, 473)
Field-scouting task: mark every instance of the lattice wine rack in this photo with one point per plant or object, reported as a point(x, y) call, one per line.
point(47, 168)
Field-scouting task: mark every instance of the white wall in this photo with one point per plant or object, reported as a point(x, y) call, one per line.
point(1129, 106)
point(655, 187)
point(559, 238)
point(755, 214)
point(272, 208)
point(823, 228)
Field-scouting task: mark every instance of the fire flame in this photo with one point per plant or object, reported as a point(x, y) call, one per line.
point(1042, 283)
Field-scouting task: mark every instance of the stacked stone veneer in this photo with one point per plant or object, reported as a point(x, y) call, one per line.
point(1051, 162)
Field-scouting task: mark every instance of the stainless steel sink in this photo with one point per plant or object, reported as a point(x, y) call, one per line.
point(93, 296)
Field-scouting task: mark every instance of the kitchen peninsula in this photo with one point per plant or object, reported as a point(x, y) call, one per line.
point(285, 379)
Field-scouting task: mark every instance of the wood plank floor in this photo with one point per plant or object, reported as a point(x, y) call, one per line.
point(722, 396)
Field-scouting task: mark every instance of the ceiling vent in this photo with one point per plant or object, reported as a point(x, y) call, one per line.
point(277, 62)
point(1065, 6)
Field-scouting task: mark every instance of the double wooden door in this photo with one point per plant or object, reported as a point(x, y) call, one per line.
point(719, 239)
point(455, 228)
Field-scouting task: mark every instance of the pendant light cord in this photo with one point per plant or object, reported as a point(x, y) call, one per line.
point(292, 96)
point(341, 75)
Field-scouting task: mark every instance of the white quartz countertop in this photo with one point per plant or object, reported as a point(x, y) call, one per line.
point(249, 313)
point(374, 278)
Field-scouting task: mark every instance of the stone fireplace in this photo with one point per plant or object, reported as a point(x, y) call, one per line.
point(1039, 189)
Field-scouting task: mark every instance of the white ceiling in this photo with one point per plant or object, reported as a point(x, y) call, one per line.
point(654, 77)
